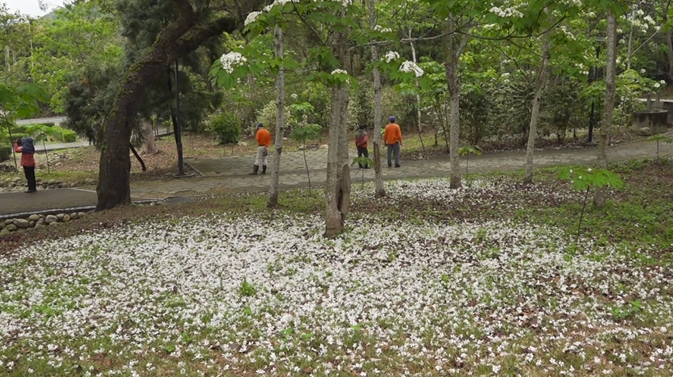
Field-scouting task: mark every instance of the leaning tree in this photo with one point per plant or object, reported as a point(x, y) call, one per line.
point(194, 22)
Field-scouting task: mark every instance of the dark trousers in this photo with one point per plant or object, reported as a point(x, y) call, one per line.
point(29, 171)
point(363, 152)
point(394, 149)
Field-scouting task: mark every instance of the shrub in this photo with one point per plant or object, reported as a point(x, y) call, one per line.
point(226, 127)
point(5, 153)
point(68, 136)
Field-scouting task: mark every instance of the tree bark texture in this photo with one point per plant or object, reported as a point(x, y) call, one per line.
point(418, 96)
point(380, 191)
point(280, 118)
point(150, 146)
point(175, 41)
point(535, 112)
point(451, 66)
point(338, 185)
point(609, 103)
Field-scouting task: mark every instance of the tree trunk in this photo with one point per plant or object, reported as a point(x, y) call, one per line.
point(150, 146)
point(669, 51)
point(418, 96)
point(175, 41)
point(280, 118)
point(451, 66)
point(608, 106)
point(535, 112)
point(140, 160)
point(338, 186)
point(380, 192)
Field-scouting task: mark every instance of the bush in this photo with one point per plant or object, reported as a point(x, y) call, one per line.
point(5, 153)
point(267, 116)
point(226, 127)
point(68, 136)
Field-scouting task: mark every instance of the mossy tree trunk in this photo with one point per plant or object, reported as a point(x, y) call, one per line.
point(179, 38)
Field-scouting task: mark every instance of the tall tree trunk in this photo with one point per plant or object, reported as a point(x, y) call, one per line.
point(150, 146)
point(608, 106)
point(418, 96)
point(451, 66)
point(280, 117)
point(175, 41)
point(338, 186)
point(378, 110)
point(665, 6)
point(669, 51)
point(535, 113)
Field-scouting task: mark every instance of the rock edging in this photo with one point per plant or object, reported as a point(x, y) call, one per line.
point(37, 221)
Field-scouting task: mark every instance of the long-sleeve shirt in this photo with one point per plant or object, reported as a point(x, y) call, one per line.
point(27, 159)
point(263, 138)
point(361, 139)
point(392, 134)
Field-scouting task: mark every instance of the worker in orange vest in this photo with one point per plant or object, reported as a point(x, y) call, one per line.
point(392, 137)
point(263, 138)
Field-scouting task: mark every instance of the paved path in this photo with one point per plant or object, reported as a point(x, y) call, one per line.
point(17, 204)
point(230, 173)
point(55, 120)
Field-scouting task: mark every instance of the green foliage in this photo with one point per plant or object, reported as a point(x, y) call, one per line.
point(15, 103)
point(306, 133)
point(226, 127)
point(588, 178)
point(246, 289)
point(585, 179)
point(42, 132)
point(267, 116)
point(363, 161)
point(660, 139)
point(469, 149)
point(5, 153)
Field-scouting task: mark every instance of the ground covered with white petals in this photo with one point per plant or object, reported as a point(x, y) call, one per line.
point(245, 294)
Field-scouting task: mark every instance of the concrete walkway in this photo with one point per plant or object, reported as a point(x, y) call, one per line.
point(231, 173)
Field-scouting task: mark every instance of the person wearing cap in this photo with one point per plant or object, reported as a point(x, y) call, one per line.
point(361, 139)
point(27, 149)
point(263, 138)
point(392, 137)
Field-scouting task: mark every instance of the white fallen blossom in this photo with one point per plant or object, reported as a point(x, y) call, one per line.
point(254, 294)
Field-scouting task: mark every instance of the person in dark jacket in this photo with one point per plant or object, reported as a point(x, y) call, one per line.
point(361, 139)
point(27, 149)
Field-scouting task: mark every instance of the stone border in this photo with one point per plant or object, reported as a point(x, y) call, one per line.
point(12, 225)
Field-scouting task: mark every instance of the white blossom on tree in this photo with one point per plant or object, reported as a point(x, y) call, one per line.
point(383, 29)
point(252, 17)
point(409, 67)
point(390, 56)
point(232, 59)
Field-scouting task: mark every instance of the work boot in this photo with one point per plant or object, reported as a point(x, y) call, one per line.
point(264, 169)
point(255, 169)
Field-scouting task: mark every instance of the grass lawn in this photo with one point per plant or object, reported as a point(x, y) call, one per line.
point(485, 280)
